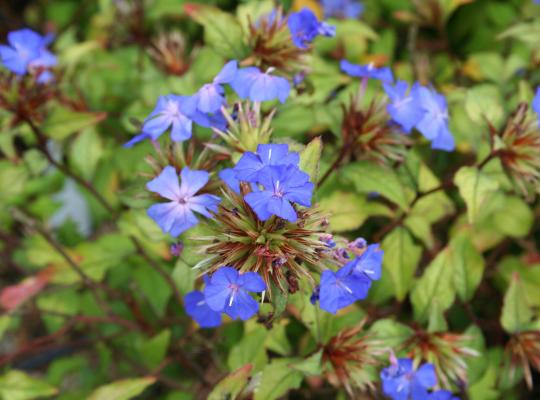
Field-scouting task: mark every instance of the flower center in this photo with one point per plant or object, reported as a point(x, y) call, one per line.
point(278, 191)
point(234, 289)
point(173, 109)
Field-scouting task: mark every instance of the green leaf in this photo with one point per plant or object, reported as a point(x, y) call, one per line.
point(124, 389)
point(231, 386)
point(434, 288)
point(515, 218)
point(62, 122)
point(516, 312)
point(437, 321)
point(153, 287)
point(310, 157)
point(86, 151)
point(16, 385)
point(368, 177)
point(277, 340)
point(320, 323)
point(391, 333)
point(401, 257)
point(250, 349)
point(153, 350)
point(277, 379)
point(346, 211)
point(468, 265)
point(475, 187)
point(222, 31)
point(527, 32)
point(309, 366)
point(486, 387)
point(529, 274)
point(483, 103)
point(279, 301)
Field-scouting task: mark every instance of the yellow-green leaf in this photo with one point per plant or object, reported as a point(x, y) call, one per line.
point(124, 389)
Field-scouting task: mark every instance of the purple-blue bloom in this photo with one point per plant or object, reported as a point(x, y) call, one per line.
point(401, 382)
point(405, 107)
point(442, 395)
point(383, 74)
point(196, 308)
point(281, 186)
point(177, 216)
point(370, 262)
point(228, 291)
point(171, 112)
point(250, 164)
point(210, 96)
point(27, 51)
point(251, 83)
point(434, 122)
point(342, 288)
point(305, 27)
point(342, 9)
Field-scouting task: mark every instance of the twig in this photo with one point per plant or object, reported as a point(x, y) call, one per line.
point(42, 147)
point(87, 281)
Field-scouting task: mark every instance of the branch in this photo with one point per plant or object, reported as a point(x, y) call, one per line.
point(42, 147)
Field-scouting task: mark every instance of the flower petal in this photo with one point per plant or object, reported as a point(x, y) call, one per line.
point(166, 184)
point(192, 181)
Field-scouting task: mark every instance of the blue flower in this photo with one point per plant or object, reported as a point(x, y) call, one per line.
point(228, 292)
point(228, 176)
point(171, 112)
point(342, 288)
point(383, 74)
point(196, 308)
point(250, 164)
point(305, 27)
point(27, 51)
point(342, 8)
point(177, 215)
point(251, 83)
point(442, 395)
point(434, 122)
point(401, 382)
point(210, 97)
point(536, 101)
point(281, 186)
point(370, 262)
point(405, 109)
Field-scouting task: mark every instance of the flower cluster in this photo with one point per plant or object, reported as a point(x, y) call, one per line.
point(276, 179)
point(351, 282)
point(402, 381)
point(227, 291)
point(178, 113)
point(417, 107)
point(423, 108)
point(27, 53)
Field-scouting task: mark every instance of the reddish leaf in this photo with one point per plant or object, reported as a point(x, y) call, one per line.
point(13, 296)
